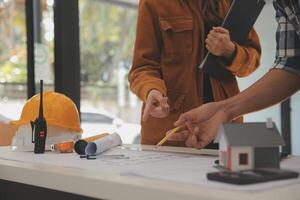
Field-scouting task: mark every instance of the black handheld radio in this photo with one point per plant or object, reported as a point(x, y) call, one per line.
point(39, 128)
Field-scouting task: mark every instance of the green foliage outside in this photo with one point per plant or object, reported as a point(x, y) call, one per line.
point(107, 35)
point(12, 43)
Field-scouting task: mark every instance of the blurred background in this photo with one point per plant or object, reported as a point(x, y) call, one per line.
point(89, 43)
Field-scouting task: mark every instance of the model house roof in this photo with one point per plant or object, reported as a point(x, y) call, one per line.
point(252, 134)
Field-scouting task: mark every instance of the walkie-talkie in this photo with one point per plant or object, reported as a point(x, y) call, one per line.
point(40, 128)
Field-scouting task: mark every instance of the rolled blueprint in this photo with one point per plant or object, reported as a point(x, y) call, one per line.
point(80, 145)
point(103, 144)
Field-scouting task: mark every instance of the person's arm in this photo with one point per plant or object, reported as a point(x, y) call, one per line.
point(203, 122)
point(272, 88)
point(277, 85)
point(145, 74)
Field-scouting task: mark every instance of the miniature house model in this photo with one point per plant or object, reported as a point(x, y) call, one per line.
point(249, 146)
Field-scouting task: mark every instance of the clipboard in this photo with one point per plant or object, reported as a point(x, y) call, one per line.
point(239, 20)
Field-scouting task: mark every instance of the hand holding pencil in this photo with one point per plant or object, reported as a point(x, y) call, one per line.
point(169, 134)
point(201, 125)
point(184, 132)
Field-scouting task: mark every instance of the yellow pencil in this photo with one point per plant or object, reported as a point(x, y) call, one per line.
point(169, 133)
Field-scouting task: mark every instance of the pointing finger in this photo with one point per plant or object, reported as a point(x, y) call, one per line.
point(147, 111)
point(182, 119)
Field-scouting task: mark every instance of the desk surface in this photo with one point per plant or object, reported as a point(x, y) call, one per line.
point(108, 185)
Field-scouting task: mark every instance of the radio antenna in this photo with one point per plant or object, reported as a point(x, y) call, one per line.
point(41, 111)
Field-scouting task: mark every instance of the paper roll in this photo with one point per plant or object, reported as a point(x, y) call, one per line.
point(103, 144)
point(80, 145)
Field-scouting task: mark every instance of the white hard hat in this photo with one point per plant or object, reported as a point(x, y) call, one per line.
point(22, 141)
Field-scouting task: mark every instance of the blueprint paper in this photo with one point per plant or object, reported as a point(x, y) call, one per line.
point(178, 168)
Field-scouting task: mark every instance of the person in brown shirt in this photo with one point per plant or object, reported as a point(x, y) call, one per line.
point(171, 41)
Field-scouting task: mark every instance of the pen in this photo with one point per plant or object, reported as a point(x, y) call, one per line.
point(169, 133)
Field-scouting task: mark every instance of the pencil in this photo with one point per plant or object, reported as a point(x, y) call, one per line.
point(169, 133)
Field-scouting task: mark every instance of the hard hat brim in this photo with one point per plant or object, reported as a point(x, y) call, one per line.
point(18, 123)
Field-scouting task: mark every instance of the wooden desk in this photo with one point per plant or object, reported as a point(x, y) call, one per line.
point(73, 183)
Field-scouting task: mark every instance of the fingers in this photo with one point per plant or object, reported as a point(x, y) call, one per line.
point(204, 139)
point(214, 38)
point(193, 136)
point(156, 96)
point(220, 30)
point(189, 126)
point(192, 128)
point(218, 42)
point(184, 119)
point(164, 103)
point(181, 120)
point(202, 124)
point(217, 35)
point(161, 110)
point(189, 141)
point(193, 142)
point(147, 110)
point(196, 138)
point(154, 111)
point(153, 99)
point(165, 106)
point(211, 48)
point(213, 41)
point(196, 144)
point(214, 35)
point(179, 136)
point(191, 116)
point(156, 105)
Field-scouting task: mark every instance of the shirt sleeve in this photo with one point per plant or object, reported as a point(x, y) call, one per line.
point(247, 56)
point(287, 38)
point(291, 64)
point(145, 74)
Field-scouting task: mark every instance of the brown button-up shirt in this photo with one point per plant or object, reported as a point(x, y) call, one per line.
point(170, 44)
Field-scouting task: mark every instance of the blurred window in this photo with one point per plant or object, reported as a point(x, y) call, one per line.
point(107, 35)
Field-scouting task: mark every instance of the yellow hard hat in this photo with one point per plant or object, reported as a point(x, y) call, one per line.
point(59, 110)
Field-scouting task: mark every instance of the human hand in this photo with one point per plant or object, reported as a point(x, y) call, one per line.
point(156, 105)
point(202, 125)
point(218, 43)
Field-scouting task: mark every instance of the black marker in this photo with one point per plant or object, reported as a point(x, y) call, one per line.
point(40, 128)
